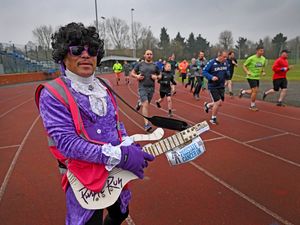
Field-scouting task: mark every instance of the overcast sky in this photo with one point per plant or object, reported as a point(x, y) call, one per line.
point(253, 19)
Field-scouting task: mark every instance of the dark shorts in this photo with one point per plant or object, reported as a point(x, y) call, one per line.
point(146, 93)
point(165, 94)
point(230, 76)
point(183, 76)
point(217, 94)
point(253, 83)
point(280, 83)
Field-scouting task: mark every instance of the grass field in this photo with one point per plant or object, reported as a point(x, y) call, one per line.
point(293, 74)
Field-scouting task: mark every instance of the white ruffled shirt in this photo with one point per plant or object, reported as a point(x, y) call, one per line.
point(91, 87)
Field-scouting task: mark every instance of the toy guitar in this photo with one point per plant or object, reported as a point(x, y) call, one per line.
point(118, 178)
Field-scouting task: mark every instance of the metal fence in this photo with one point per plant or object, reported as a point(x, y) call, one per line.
point(22, 58)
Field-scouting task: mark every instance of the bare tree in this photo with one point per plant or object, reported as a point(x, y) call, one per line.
point(43, 35)
point(226, 39)
point(118, 31)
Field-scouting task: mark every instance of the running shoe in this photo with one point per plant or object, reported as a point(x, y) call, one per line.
point(206, 109)
point(158, 104)
point(231, 94)
point(253, 108)
point(280, 104)
point(138, 106)
point(241, 93)
point(213, 121)
point(264, 96)
point(147, 127)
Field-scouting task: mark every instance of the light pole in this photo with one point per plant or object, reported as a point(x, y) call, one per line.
point(149, 36)
point(132, 33)
point(96, 16)
point(104, 35)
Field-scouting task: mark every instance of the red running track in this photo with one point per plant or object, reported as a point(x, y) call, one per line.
point(249, 174)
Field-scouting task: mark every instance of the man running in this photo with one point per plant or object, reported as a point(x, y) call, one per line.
point(146, 73)
point(280, 68)
point(127, 68)
point(216, 72)
point(201, 62)
point(232, 62)
point(254, 68)
point(193, 71)
point(183, 67)
point(117, 68)
point(174, 66)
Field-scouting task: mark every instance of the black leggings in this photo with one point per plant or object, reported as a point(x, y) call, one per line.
point(198, 85)
point(114, 217)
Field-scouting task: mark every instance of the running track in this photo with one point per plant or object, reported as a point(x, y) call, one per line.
point(249, 174)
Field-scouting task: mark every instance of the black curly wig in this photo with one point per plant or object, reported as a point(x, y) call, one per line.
point(75, 34)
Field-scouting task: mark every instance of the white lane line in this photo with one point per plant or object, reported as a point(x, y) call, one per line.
point(214, 139)
point(132, 120)
point(242, 195)
point(234, 140)
point(14, 97)
point(14, 161)
point(266, 138)
point(9, 146)
point(12, 109)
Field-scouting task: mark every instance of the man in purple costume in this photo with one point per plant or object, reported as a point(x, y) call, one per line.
point(79, 50)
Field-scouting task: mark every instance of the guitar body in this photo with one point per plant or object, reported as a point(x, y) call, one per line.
point(110, 193)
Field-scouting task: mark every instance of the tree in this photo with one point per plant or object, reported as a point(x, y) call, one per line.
point(164, 42)
point(178, 46)
point(191, 46)
point(279, 42)
point(241, 47)
point(226, 39)
point(202, 44)
point(43, 36)
point(294, 45)
point(147, 40)
point(118, 31)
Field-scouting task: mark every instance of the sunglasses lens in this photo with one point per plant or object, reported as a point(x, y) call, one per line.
point(76, 50)
point(92, 51)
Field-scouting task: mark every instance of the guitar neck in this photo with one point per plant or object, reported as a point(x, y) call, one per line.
point(176, 140)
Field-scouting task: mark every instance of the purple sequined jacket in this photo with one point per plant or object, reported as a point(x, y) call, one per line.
point(59, 125)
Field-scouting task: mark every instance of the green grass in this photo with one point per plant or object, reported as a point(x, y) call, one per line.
point(293, 74)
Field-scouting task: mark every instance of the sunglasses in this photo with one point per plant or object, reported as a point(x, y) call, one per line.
point(77, 50)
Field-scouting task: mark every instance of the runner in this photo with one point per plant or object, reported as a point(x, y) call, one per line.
point(174, 66)
point(117, 68)
point(216, 72)
point(165, 80)
point(146, 73)
point(183, 67)
point(200, 83)
point(254, 68)
point(232, 62)
point(127, 68)
point(193, 71)
point(280, 68)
